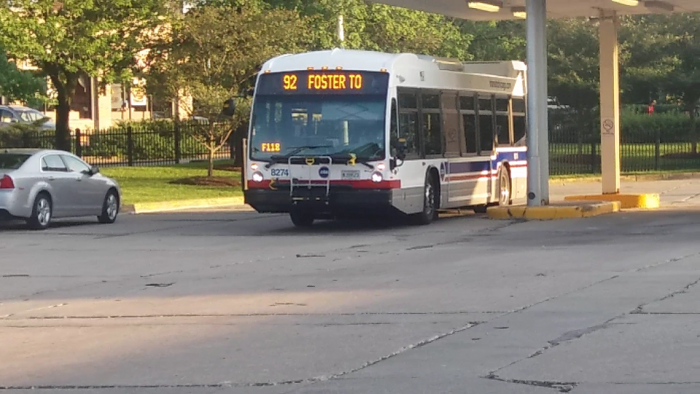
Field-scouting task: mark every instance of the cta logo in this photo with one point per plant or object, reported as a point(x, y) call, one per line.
point(324, 172)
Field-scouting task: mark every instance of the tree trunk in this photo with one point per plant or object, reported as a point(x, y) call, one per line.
point(210, 168)
point(65, 90)
point(63, 140)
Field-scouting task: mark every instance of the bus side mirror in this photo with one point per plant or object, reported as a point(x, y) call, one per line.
point(229, 109)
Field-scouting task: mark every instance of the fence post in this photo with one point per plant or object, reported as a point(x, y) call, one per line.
point(657, 151)
point(178, 139)
point(78, 143)
point(130, 145)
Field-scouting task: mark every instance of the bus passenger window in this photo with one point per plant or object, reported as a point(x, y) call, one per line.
point(486, 121)
point(431, 101)
point(519, 129)
point(432, 134)
point(502, 122)
point(407, 100)
point(519, 121)
point(408, 126)
point(469, 121)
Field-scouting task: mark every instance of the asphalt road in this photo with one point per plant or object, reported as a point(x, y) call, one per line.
point(231, 302)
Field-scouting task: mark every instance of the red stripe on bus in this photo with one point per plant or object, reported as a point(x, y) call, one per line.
point(361, 184)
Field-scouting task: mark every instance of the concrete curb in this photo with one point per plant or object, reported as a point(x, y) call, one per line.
point(628, 201)
point(555, 211)
point(631, 178)
point(165, 206)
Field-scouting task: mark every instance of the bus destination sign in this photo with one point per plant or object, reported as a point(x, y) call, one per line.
point(323, 82)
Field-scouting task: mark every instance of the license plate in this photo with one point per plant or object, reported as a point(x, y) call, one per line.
point(350, 175)
point(279, 172)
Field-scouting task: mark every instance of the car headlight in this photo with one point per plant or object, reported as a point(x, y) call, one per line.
point(258, 177)
point(377, 177)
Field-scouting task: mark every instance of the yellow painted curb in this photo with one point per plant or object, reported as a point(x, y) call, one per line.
point(185, 204)
point(628, 201)
point(555, 212)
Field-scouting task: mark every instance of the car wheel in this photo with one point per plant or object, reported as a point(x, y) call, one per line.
point(430, 210)
point(42, 212)
point(301, 219)
point(110, 208)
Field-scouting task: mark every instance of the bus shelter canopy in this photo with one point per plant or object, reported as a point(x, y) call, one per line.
point(489, 10)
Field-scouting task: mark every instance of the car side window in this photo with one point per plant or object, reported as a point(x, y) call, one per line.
point(53, 163)
point(75, 165)
point(5, 116)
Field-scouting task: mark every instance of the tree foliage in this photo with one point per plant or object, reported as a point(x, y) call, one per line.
point(213, 54)
point(20, 85)
point(72, 38)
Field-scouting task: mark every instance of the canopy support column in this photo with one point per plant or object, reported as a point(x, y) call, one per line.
point(609, 102)
point(538, 130)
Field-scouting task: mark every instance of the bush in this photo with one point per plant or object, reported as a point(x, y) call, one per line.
point(577, 126)
point(21, 135)
point(152, 140)
point(644, 128)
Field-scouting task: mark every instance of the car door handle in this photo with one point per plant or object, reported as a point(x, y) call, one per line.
point(52, 178)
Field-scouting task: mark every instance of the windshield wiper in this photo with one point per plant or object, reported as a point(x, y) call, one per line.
point(352, 159)
point(298, 149)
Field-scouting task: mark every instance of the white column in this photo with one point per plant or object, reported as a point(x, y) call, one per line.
point(538, 131)
point(609, 103)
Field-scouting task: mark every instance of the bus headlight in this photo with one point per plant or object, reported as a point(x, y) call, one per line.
point(258, 177)
point(377, 177)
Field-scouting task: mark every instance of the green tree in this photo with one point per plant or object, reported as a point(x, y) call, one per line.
point(98, 38)
point(379, 27)
point(213, 55)
point(20, 85)
point(664, 62)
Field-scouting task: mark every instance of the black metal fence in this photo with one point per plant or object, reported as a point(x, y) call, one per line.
point(648, 143)
point(129, 145)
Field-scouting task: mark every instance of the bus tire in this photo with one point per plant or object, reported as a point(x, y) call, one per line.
point(505, 187)
point(301, 219)
point(430, 198)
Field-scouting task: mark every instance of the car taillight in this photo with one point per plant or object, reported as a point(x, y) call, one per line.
point(7, 183)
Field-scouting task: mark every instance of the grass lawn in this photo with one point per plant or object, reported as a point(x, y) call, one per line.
point(153, 184)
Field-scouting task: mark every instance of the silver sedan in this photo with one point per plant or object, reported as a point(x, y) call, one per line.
point(38, 185)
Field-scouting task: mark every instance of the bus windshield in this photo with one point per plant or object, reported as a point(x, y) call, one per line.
point(320, 114)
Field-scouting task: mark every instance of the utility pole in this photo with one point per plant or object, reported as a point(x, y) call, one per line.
point(341, 31)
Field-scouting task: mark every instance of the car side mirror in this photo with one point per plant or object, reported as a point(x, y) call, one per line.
point(94, 170)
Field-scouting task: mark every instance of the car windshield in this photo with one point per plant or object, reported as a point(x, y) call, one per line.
point(319, 125)
point(12, 161)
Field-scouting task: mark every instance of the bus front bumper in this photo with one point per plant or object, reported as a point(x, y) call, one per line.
point(335, 202)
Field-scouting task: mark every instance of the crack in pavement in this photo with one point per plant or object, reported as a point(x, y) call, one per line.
point(315, 379)
point(577, 334)
point(640, 309)
point(562, 387)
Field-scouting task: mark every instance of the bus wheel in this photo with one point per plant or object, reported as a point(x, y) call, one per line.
point(301, 219)
point(430, 211)
point(504, 187)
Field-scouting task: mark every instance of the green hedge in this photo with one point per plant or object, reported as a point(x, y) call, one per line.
point(584, 127)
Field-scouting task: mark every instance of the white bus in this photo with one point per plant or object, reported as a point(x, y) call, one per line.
point(346, 132)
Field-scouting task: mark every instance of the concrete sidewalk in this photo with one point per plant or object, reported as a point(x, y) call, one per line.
point(683, 193)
